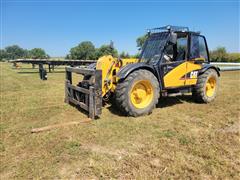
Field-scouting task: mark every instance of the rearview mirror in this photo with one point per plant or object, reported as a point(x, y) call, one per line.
point(173, 38)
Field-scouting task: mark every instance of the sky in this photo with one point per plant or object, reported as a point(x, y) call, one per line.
point(57, 26)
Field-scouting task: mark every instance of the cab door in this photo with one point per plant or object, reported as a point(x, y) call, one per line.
point(175, 68)
point(192, 52)
point(197, 56)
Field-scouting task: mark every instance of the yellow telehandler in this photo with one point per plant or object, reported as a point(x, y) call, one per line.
point(173, 59)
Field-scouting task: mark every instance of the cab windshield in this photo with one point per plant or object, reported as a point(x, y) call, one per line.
point(153, 47)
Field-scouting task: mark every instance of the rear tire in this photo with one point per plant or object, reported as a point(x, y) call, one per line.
point(206, 87)
point(138, 94)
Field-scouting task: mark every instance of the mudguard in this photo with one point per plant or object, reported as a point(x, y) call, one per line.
point(126, 70)
point(205, 67)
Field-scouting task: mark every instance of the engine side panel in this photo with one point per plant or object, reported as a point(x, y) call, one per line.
point(177, 77)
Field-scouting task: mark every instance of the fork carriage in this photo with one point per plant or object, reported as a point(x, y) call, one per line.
point(88, 97)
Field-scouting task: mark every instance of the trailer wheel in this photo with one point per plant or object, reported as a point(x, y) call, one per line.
point(138, 94)
point(206, 87)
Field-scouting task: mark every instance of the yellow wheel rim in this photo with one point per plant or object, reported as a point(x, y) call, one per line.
point(210, 86)
point(141, 94)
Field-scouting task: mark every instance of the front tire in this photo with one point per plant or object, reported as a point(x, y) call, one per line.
point(206, 88)
point(138, 94)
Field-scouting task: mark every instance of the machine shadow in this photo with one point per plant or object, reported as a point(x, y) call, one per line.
point(163, 102)
point(79, 109)
point(171, 101)
point(113, 108)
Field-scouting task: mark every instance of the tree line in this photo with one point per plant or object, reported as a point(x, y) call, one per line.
point(86, 50)
point(220, 54)
point(16, 52)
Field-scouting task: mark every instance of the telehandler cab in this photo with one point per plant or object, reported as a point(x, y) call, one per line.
point(173, 59)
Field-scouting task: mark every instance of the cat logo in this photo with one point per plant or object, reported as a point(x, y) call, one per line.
point(193, 74)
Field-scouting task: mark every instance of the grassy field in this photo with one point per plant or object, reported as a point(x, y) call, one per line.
point(180, 139)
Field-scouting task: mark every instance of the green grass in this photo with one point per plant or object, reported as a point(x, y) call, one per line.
point(180, 139)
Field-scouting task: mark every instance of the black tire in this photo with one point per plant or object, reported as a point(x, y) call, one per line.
point(123, 91)
point(199, 91)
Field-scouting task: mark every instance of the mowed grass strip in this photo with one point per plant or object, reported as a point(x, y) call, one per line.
point(180, 139)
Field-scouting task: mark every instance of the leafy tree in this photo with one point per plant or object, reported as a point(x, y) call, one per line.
point(106, 50)
point(68, 56)
point(14, 52)
point(3, 54)
point(124, 55)
point(136, 56)
point(233, 57)
point(26, 53)
point(141, 40)
point(37, 53)
point(219, 55)
point(85, 50)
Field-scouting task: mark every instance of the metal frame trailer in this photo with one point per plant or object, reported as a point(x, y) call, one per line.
point(52, 63)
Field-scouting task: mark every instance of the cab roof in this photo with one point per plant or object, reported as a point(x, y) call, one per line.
point(171, 28)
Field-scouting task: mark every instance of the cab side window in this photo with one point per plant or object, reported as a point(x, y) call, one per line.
point(181, 48)
point(198, 48)
point(178, 51)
